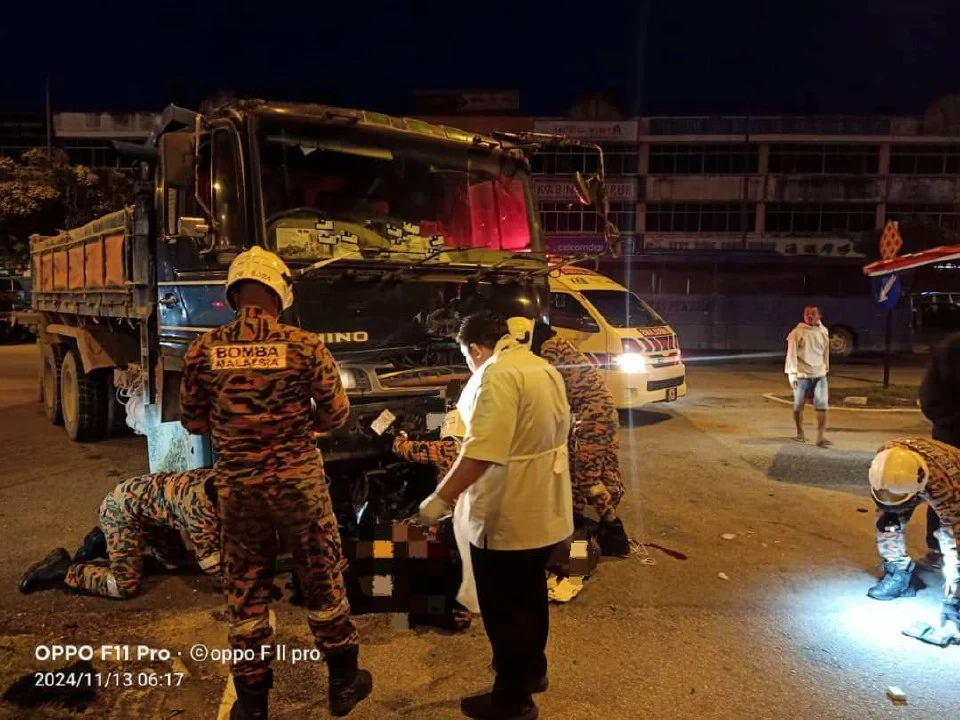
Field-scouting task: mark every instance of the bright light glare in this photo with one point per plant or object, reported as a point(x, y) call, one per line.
point(632, 363)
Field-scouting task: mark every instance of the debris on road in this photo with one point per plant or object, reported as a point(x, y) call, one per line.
point(723, 576)
point(729, 536)
point(563, 590)
point(862, 510)
point(675, 554)
point(896, 695)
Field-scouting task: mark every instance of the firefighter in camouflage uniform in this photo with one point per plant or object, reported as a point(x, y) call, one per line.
point(905, 473)
point(440, 453)
point(261, 389)
point(594, 441)
point(143, 517)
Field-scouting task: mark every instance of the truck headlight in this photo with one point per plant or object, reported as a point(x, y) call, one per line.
point(631, 363)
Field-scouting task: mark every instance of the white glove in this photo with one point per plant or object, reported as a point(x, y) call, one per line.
point(432, 509)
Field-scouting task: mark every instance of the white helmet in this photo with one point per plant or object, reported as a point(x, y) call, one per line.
point(897, 475)
point(453, 426)
point(521, 329)
point(264, 267)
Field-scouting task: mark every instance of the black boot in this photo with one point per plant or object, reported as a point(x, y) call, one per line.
point(613, 538)
point(894, 584)
point(47, 573)
point(251, 702)
point(348, 685)
point(94, 546)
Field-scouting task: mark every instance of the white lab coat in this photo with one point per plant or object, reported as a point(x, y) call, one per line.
point(515, 412)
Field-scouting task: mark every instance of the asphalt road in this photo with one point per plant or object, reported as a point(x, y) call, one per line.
point(789, 633)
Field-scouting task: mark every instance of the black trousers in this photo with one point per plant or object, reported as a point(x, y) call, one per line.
point(512, 592)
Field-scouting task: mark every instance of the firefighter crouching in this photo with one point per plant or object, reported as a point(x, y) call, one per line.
point(141, 519)
point(905, 473)
point(250, 384)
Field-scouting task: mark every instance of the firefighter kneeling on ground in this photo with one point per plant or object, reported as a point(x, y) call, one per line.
point(142, 519)
point(905, 473)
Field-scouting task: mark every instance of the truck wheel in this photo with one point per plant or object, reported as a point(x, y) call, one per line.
point(842, 342)
point(50, 385)
point(82, 399)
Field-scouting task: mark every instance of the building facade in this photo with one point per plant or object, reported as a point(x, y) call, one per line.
point(790, 185)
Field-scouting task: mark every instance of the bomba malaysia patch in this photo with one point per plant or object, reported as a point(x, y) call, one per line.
point(252, 356)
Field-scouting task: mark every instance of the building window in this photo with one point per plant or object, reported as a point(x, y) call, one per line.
point(700, 217)
point(925, 159)
point(824, 158)
point(703, 159)
point(575, 218)
point(617, 161)
point(808, 219)
point(944, 216)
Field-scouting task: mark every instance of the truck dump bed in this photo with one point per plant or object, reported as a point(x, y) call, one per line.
point(98, 269)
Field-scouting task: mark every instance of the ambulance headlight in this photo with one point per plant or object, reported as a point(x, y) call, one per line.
point(631, 363)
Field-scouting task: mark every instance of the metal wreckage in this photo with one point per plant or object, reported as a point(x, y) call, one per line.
point(394, 229)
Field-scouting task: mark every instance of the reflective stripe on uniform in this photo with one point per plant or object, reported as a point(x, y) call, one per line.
point(112, 585)
point(326, 616)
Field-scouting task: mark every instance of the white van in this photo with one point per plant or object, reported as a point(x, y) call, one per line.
point(633, 346)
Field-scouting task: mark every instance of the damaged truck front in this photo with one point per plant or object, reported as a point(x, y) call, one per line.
point(393, 229)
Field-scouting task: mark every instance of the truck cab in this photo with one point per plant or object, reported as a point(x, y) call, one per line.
point(634, 347)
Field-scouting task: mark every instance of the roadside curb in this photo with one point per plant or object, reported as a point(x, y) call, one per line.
point(771, 396)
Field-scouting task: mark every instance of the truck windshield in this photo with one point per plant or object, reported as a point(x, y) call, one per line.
point(623, 309)
point(331, 189)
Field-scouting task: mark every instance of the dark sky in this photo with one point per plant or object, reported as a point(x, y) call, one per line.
point(680, 57)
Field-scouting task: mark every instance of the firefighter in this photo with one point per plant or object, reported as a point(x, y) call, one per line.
point(439, 453)
point(261, 388)
point(594, 439)
point(903, 474)
point(141, 517)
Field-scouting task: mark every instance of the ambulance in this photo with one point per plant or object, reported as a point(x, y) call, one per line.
point(633, 346)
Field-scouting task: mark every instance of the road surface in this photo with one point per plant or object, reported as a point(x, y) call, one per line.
point(788, 634)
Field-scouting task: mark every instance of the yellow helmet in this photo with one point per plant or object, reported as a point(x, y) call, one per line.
point(264, 267)
point(897, 475)
point(453, 426)
point(521, 329)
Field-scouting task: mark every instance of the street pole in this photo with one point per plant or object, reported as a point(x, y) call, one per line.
point(887, 341)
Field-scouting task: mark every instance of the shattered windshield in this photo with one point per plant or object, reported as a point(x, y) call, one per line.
point(330, 190)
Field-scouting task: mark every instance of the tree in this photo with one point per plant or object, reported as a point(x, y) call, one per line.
point(43, 193)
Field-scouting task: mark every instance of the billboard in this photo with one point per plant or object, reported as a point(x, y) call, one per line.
point(605, 131)
point(551, 189)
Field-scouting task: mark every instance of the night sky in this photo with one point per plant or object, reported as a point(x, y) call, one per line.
point(660, 57)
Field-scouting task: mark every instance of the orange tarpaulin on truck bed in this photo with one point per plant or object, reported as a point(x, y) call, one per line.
point(114, 275)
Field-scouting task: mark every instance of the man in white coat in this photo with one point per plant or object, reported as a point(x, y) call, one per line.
point(511, 485)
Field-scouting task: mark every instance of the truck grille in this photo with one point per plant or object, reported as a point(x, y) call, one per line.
point(664, 384)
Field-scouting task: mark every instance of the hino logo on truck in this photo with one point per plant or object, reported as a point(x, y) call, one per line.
point(360, 336)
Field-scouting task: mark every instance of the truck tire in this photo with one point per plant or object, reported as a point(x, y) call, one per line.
point(83, 399)
point(50, 383)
